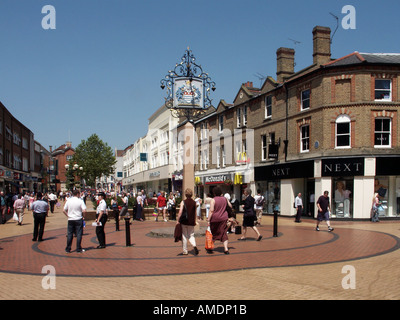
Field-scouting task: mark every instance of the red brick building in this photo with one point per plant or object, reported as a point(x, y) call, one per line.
point(331, 126)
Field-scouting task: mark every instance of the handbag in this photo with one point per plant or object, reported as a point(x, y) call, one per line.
point(209, 240)
point(184, 216)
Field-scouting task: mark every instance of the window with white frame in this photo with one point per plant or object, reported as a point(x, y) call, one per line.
point(268, 107)
point(239, 117)
point(383, 90)
point(264, 147)
point(203, 130)
point(221, 123)
point(305, 138)
point(343, 132)
point(245, 115)
point(223, 156)
point(205, 159)
point(305, 99)
point(383, 133)
point(17, 162)
point(25, 164)
point(218, 150)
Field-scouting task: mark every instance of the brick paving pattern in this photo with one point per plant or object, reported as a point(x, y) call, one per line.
point(299, 264)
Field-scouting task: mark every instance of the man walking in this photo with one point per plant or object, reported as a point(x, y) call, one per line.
point(53, 201)
point(75, 209)
point(323, 210)
point(40, 209)
point(298, 203)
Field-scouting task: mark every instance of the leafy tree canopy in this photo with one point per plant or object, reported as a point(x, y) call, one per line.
point(96, 157)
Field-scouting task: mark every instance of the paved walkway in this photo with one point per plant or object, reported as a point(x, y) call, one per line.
point(299, 264)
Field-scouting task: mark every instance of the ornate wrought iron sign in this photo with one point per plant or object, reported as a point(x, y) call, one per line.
point(188, 88)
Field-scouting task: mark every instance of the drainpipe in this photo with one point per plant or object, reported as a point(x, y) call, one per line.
point(286, 141)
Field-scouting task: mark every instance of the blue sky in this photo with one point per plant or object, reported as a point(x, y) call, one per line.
point(99, 71)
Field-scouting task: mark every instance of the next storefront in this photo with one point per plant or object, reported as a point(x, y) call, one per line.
point(351, 183)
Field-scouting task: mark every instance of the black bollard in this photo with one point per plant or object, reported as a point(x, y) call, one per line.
point(275, 223)
point(127, 231)
point(116, 216)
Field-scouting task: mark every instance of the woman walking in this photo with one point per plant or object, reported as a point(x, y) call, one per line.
point(189, 205)
point(249, 215)
point(139, 207)
point(19, 206)
point(218, 218)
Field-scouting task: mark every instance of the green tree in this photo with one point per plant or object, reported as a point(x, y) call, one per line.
point(96, 157)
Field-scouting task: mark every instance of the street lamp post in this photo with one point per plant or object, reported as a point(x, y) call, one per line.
point(188, 97)
point(74, 171)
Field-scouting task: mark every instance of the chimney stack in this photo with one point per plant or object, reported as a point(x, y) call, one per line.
point(285, 63)
point(248, 84)
point(322, 45)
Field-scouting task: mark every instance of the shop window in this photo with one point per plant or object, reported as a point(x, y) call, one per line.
point(342, 136)
point(272, 194)
point(342, 202)
point(381, 187)
point(382, 132)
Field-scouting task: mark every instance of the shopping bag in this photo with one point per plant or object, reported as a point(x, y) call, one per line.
point(155, 212)
point(209, 240)
point(15, 216)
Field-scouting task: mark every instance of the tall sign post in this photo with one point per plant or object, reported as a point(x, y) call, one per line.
point(188, 97)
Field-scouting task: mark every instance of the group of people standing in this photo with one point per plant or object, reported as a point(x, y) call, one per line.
point(218, 219)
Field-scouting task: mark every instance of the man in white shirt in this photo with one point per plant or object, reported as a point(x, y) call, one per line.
point(298, 203)
point(75, 209)
point(53, 201)
point(259, 206)
point(101, 219)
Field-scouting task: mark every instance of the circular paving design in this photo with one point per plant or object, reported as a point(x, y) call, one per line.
point(149, 256)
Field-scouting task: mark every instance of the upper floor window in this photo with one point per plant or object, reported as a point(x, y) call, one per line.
point(305, 138)
point(343, 132)
point(245, 115)
point(25, 143)
point(383, 132)
point(241, 116)
point(305, 99)
point(268, 107)
point(203, 130)
point(383, 90)
point(264, 147)
point(221, 123)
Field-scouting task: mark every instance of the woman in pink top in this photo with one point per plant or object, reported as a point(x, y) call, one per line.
point(218, 218)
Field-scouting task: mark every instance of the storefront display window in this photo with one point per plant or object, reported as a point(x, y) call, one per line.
point(342, 198)
point(381, 188)
point(272, 194)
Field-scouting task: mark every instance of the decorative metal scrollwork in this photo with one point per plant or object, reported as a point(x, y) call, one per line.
point(190, 71)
